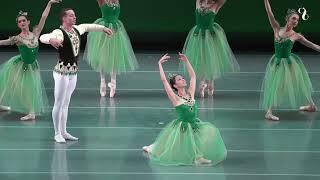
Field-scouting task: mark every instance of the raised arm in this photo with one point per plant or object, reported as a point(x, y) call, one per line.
point(166, 85)
point(102, 2)
point(308, 43)
point(44, 16)
point(273, 22)
point(198, 2)
point(192, 74)
point(219, 4)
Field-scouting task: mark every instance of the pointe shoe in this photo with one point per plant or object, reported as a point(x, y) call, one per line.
point(68, 136)
point(210, 88)
point(103, 89)
point(310, 108)
point(210, 91)
point(59, 139)
point(147, 149)
point(270, 116)
point(5, 108)
point(202, 161)
point(28, 117)
point(112, 87)
point(202, 88)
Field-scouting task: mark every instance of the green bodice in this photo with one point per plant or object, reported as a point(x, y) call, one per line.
point(187, 115)
point(28, 49)
point(283, 49)
point(204, 21)
point(110, 15)
point(28, 55)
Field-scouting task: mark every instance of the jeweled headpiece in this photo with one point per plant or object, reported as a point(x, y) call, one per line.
point(22, 13)
point(291, 12)
point(173, 75)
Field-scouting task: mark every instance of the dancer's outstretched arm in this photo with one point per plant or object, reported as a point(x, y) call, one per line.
point(44, 16)
point(219, 4)
point(166, 85)
point(6, 42)
point(101, 2)
point(198, 3)
point(55, 38)
point(83, 28)
point(308, 43)
point(273, 22)
point(191, 73)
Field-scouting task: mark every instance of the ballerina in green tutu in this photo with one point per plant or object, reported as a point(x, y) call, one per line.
point(186, 140)
point(207, 47)
point(110, 55)
point(286, 82)
point(21, 87)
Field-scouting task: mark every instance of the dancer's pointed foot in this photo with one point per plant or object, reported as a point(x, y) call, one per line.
point(59, 138)
point(202, 161)
point(69, 137)
point(202, 88)
point(112, 87)
point(270, 116)
point(210, 91)
point(103, 88)
point(310, 108)
point(147, 149)
point(28, 117)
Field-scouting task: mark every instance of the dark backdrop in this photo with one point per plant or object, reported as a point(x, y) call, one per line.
point(164, 24)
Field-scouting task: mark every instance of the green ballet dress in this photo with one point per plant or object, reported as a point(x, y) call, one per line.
point(207, 48)
point(187, 138)
point(286, 82)
point(108, 54)
point(21, 86)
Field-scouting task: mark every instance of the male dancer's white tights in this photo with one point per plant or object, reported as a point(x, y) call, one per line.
point(64, 85)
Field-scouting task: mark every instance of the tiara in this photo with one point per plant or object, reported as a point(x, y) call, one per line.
point(172, 75)
point(291, 11)
point(22, 13)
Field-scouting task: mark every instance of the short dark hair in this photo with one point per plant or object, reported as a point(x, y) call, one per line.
point(63, 12)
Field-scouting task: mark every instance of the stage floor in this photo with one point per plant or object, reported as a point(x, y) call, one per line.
point(113, 131)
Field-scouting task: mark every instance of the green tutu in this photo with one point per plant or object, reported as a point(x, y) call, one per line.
point(21, 87)
point(209, 53)
point(110, 54)
point(187, 138)
point(286, 84)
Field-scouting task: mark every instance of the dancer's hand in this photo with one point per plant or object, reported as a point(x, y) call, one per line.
point(108, 31)
point(183, 57)
point(164, 59)
point(55, 1)
point(55, 43)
